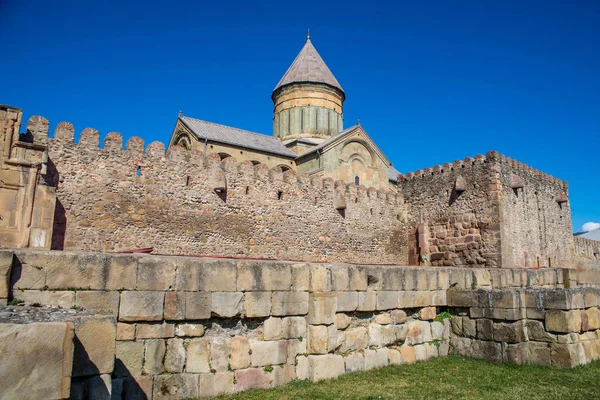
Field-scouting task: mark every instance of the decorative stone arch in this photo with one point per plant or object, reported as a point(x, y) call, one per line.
point(348, 157)
point(183, 139)
point(284, 167)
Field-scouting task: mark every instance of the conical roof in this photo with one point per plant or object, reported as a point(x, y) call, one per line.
point(309, 67)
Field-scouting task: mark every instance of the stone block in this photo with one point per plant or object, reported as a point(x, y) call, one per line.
point(211, 385)
point(383, 318)
point(375, 358)
point(293, 327)
point(457, 325)
point(320, 279)
point(137, 387)
point(487, 350)
point(510, 332)
point(196, 275)
point(354, 362)
point(98, 300)
point(302, 368)
point(340, 278)
point(398, 316)
point(407, 299)
point(325, 366)
point(321, 339)
point(198, 355)
point(257, 304)
point(24, 276)
point(154, 331)
point(268, 353)
point(227, 304)
point(198, 305)
point(418, 332)
point(240, 353)
point(387, 300)
point(251, 378)
point(156, 273)
point(322, 308)
point(485, 329)
point(264, 276)
point(94, 345)
point(342, 321)
point(482, 278)
point(174, 306)
point(428, 313)
point(125, 331)
point(300, 277)
point(282, 375)
point(347, 301)
point(394, 357)
point(367, 301)
point(539, 353)
point(437, 330)
point(393, 279)
point(296, 347)
point(289, 303)
point(177, 386)
point(358, 277)
point(141, 306)
point(175, 356)
point(220, 348)
point(36, 360)
point(517, 353)
point(189, 330)
point(407, 354)
point(273, 329)
point(154, 354)
point(353, 339)
point(593, 318)
point(536, 332)
point(129, 358)
point(563, 321)
point(122, 271)
point(564, 355)
point(58, 298)
point(382, 335)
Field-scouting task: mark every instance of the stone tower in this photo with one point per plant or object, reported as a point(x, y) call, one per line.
point(308, 99)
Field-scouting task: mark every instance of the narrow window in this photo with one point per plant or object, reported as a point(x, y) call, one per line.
point(279, 194)
point(139, 172)
point(187, 181)
point(247, 189)
point(356, 180)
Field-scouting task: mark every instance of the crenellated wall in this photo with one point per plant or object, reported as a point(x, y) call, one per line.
point(587, 253)
point(114, 200)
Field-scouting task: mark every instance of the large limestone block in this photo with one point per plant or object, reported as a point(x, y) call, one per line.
point(156, 273)
point(6, 261)
point(175, 306)
point(418, 332)
point(347, 301)
point(220, 349)
point(130, 357)
point(320, 278)
point(293, 327)
point(268, 353)
point(340, 279)
point(342, 320)
point(387, 300)
point(257, 304)
point(175, 356)
point(211, 385)
point(141, 306)
point(325, 366)
point(227, 304)
point(296, 347)
point(95, 341)
point(322, 308)
point(376, 358)
point(154, 354)
point(273, 329)
point(264, 276)
point(536, 332)
point(510, 332)
point(300, 277)
point(563, 321)
point(56, 298)
point(358, 277)
point(353, 339)
point(36, 360)
point(367, 301)
point(198, 305)
point(176, 386)
point(565, 355)
point(240, 353)
point(289, 303)
point(321, 339)
point(154, 331)
point(282, 374)
point(98, 300)
point(354, 362)
point(198, 355)
point(382, 335)
point(593, 318)
point(195, 275)
point(251, 378)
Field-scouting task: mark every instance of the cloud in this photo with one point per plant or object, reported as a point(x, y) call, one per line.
point(590, 226)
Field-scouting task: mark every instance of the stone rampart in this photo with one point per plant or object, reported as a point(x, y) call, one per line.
point(110, 199)
point(192, 326)
point(587, 253)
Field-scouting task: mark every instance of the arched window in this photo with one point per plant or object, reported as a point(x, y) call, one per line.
point(254, 162)
point(356, 180)
point(224, 156)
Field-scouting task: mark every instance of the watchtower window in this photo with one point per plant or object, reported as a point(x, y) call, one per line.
point(139, 172)
point(356, 180)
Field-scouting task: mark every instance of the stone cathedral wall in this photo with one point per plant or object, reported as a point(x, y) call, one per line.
point(115, 199)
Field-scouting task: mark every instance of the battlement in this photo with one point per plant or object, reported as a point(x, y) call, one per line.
point(469, 162)
point(520, 168)
point(587, 247)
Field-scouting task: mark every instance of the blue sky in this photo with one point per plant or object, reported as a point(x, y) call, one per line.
point(430, 81)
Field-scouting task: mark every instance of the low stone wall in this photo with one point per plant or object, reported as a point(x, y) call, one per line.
point(189, 326)
point(557, 327)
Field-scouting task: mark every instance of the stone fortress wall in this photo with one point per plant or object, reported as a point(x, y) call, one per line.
point(587, 253)
point(112, 199)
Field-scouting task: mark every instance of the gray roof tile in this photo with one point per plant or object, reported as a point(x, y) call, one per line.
point(236, 137)
point(309, 67)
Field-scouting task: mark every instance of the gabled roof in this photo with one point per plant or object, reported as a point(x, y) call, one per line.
point(594, 235)
point(309, 67)
point(236, 137)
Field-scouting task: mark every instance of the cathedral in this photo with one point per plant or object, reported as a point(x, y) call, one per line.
point(308, 131)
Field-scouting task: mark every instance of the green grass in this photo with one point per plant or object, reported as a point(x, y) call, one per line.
point(447, 378)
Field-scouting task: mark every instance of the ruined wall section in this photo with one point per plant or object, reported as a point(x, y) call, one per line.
point(112, 199)
point(453, 210)
point(587, 253)
point(536, 218)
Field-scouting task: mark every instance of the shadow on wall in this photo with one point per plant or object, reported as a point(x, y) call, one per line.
point(59, 228)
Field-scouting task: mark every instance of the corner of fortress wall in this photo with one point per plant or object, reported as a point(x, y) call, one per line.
point(182, 202)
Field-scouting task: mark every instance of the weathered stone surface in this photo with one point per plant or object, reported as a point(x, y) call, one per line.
point(320, 280)
point(347, 301)
point(220, 348)
point(354, 362)
point(197, 357)
point(174, 306)
point(302, 368)
point(125, 331)
point(539, 353)
point(427, 313)
point(268, 353)
point(156, 273)
point(175, 356)
point(387, 300)
point(563, 321)
point(257, 304)
point(130, 357)
point(321, 339)
point(383, 318)
point(211, 385)
point(207, 275)
point(189, 330)
point(510, 332)
point(367, 301)
point(394, 357)
point(564, 355)
point(57, 298)
point(273, 329)
point(240, 353)
point(325, 366)
point(300, 277)
point(418, 332)
point(382, 335)
point(593, 318)
point(375, 358)
point(154, 354)
point(141, 306)
point(536, 332)
point(358, 277)
point(282, 375)
point(45, 376)
point(437, 330)
point(227, 304)
point(94, 345)
point(98, 300)
point(289, 303)
point(251, 378)
point(293, 327)
point(265, 277)
point(322, 308)
point(296, 347)
point(485, 329)
point(198, 305)
point(342, 321)
point(398, 316)
point(154, 331)
point(177, 386)
point(340, 278)
point(407, 354)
